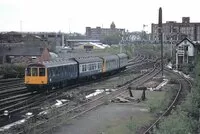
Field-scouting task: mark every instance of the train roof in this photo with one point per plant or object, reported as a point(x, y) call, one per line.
point(88, 59)
point(110, 57)
point(122, 55)
point(54, 63)
point(59, 63)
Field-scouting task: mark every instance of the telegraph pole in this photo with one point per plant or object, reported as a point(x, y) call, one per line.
point(21, 26)
point(160, 32)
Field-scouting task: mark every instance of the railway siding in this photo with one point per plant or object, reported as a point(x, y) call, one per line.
point(184, 84)
point(42, 99)
point(77, 111)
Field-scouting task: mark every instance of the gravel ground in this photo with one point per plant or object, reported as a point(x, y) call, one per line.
point(99, 120)
point(113, 118)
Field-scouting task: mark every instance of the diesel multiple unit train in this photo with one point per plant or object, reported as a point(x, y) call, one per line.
point(59, 73)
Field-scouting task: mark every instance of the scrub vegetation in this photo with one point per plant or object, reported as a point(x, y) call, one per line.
point(186, 118)
point(115, 49)
point(12, 70)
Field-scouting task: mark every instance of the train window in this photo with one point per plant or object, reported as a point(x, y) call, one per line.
point(34, 71)
point(84, 68)
point(49, 72)
point(90, 67)
point(57, 71)
point(28, 72)
point(72, 68)
point(41, 71)
point(94, 66)
point(53, 72)
point(66, 70)
point(99, 65)
point(61, 71)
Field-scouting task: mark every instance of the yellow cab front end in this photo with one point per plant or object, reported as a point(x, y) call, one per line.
point(35, 75)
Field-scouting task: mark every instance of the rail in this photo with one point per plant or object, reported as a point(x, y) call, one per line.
point(168, 110)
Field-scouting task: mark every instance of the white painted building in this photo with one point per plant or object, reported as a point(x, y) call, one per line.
point(185, 52)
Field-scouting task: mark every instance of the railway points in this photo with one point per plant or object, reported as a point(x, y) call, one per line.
point(133, 64)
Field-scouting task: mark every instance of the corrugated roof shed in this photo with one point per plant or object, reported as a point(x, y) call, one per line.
point(25, 51)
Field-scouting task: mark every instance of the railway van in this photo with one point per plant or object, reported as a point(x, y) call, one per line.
point(123, 60)
point(50, 74)
point(89, 66)
point(60, 73)
point(110, 63)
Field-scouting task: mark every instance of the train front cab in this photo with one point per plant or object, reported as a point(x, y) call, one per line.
point(35, 76)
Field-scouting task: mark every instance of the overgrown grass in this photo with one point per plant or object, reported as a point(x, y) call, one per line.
point(128, 49)
point(156, 101)
point(159, 101)
point(177, 123)
point(185, 119)
point(129, 126)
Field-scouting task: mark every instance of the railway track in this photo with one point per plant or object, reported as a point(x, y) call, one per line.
point(184, 84)
point(6, 84)
point(45, 126)
point(9, 80)
point(24, 101)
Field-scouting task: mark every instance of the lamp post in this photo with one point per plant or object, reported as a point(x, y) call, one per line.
point(171, 48)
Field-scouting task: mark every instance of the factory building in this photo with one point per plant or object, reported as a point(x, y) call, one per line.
point(98, 32)
point(174, 32)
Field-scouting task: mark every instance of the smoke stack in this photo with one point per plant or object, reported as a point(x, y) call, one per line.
point(160, 23)
point(160, 36)
point(62, 38)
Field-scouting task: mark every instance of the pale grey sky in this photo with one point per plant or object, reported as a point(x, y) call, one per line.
point(75, 15)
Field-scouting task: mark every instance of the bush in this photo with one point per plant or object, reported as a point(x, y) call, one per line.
point(12, 71)
point(159, 104)
point(185, 120)
point(177, 123)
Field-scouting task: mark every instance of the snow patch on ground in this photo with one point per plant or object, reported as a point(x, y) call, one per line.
point(28, 115)
point(163, 83)
point(98, 91)
point(184, 75)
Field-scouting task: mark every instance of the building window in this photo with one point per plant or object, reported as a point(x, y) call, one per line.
point(180, 47)
point(186, 48)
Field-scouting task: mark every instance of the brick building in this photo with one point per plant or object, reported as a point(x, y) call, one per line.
point(175, 32)
point(98, 32)
point(24, 55)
